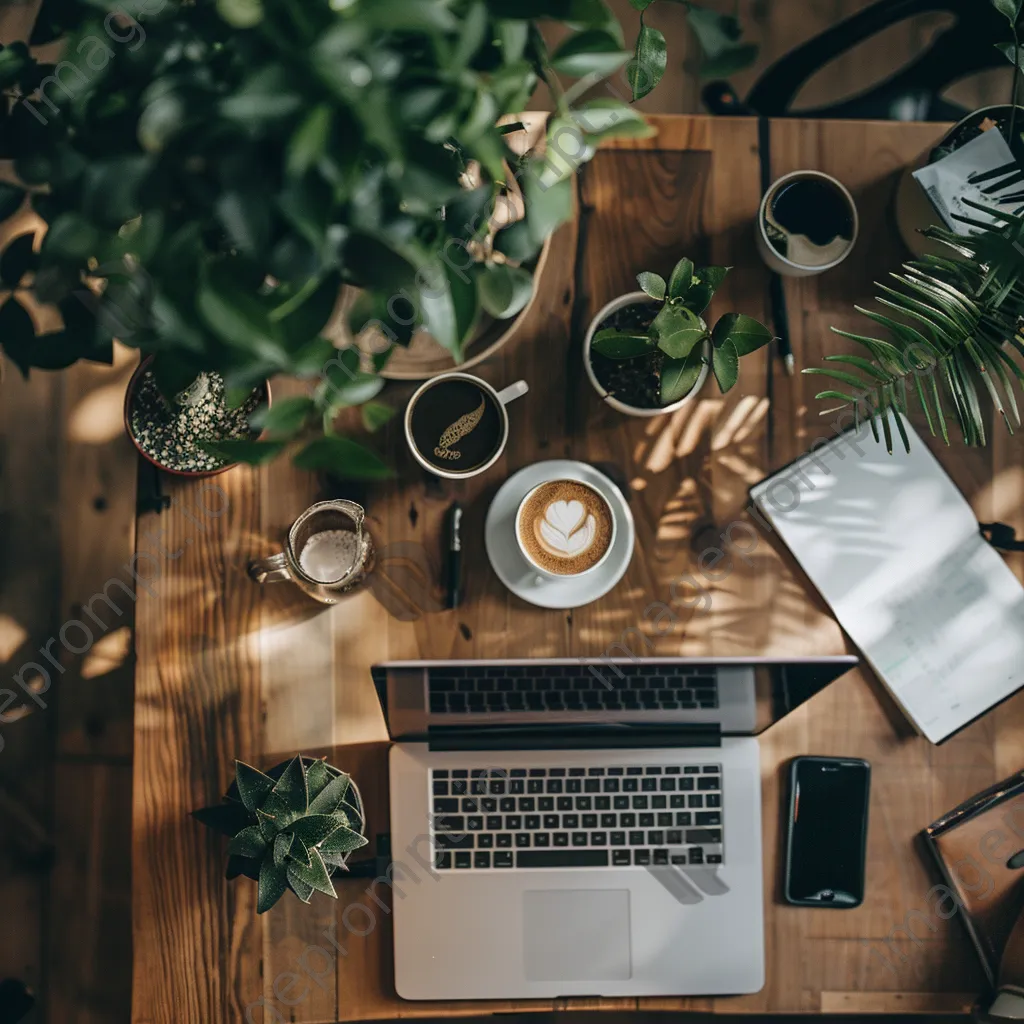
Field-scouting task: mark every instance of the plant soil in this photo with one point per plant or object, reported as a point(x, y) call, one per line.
point(636, 382)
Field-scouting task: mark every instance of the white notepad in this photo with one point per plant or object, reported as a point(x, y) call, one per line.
point(895, 550)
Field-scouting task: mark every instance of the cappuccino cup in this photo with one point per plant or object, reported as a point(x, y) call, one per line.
point(564, 529)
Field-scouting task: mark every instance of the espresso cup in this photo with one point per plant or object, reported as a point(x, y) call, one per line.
point(807, 223)
point(456, 424)
point(565, 529)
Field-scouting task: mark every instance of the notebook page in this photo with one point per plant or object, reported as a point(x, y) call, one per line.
point(894, 548)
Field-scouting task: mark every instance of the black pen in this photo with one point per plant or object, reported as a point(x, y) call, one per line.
point(780, 320)
point(454, 555)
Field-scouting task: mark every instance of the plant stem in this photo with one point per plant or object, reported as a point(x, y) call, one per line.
point(1016, 83)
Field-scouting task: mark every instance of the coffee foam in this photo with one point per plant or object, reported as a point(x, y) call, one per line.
point(565, 527)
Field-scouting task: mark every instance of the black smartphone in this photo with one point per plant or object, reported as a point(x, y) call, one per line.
point(828, 830)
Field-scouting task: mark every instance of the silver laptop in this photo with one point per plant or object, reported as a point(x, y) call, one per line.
point(581, 827)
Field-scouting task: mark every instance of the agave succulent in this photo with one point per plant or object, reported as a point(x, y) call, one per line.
point(291, 828)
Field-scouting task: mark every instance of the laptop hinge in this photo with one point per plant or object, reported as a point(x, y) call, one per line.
point(573, 736)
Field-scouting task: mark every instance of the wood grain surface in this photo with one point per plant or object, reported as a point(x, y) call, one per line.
point(229, 669)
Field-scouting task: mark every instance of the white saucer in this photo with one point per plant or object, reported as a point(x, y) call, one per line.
point(518, 575)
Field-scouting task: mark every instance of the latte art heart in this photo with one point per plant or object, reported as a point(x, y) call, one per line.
point(565, 527)
point(566, 530)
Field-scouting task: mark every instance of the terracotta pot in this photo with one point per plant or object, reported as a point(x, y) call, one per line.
point(128, 396)
point(630, 299)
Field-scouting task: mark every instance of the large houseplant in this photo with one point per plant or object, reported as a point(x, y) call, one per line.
point(952, 328)
point(210, 172)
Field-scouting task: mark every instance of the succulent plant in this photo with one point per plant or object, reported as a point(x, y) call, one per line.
point(676, 337)
point(291, 828)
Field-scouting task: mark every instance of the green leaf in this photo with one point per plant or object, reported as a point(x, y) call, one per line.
point(650, 58)
point(343, 458)
point(18, 259)
point(316, 874)
point(282, 847)
point(341, 842)
point(272, 885)
point(840, 375)
point(268, 824)
point(245, 218)
point(746, 334)
point(254, 453)
point(681, 279)
point(291, 787)
point(679, 376)
point(70, 237)
point(237, 315)
point(305, 314)
point(653, 284)
point(705, 282)
point(678, 330)
point(590, 52)
point(548, 205)
point(375, 415)
point(343, 383)
point(862, 364)
point(313, 829)
point(448, 305)
point(285, 417)
point(615, 344)
point(504, 290)
point(725, 361)
point(586, 12)
point(606, 118)
point(10, 199)
point(332, 796)
point(302, 889)
point(375, 264)
point(1007, 50)
point(17, 334)
point(1009, 9)
point(318, 775)
point(267, 95)
point(241, 13)
point(300, 852)
point(640, 5)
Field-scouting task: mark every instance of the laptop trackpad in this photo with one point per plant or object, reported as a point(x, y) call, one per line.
point(576, 935)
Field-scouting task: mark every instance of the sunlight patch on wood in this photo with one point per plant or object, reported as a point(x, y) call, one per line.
point(99, 418)
point(12, 635)
point(107, 653)
point(705, 415)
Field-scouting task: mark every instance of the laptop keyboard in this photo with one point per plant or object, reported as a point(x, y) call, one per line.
point(493, 818)
point(640, 686)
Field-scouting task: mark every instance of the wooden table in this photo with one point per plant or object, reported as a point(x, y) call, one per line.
point(229, 669)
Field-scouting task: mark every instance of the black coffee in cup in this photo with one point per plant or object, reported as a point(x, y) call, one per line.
point(809, 220)
point(456, 426)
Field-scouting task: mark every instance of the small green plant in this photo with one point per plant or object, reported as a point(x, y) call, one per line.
point(291, 828)
point(675, 340)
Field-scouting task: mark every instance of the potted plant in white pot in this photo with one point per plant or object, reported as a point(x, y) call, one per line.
point(648, 352)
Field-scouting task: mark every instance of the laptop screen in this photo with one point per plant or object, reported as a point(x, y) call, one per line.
point(734, 696)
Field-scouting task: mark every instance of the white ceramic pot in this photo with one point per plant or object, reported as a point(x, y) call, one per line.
point(630, 299)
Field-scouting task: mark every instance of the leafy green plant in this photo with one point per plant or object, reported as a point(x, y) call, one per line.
point(677, 336)
point(211, 172)
point(719, 37)
point(290, 829)
point(952, 328)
